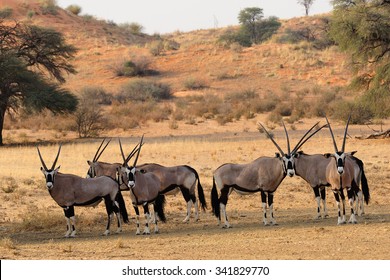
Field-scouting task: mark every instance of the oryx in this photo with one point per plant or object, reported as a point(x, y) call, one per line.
point(70, 190)
point(312, 168)
point(340, 174)
point(144, 189)
point(98, 168)
point(181, 177)
point(261, 175)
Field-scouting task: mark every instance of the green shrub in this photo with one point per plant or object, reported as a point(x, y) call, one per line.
point(137, 66)
point(74, 9)
point(49, 7)
point(6, 12)
point(143, 90)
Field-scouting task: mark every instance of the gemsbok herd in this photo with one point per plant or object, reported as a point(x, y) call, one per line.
point(148, 183)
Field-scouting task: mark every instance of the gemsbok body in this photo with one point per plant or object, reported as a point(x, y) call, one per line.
point(262, 175)
point(183, 178)
point(144, 189)
point(312, 168)
point(69, 191)
point(340, 173)
point(98, 168)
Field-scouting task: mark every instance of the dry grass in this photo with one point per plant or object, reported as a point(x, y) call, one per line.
point(32, 224)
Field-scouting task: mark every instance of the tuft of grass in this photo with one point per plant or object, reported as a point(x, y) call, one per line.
point(9, 185)
point(7, 243)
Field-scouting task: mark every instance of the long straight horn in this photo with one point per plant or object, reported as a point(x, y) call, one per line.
point(132, 153)
point(288, 140)
point(97, 156)
point(55, 161)
point(331, 133)
point(123, 155)
point(298, 145)
point(273, 141)
point(43, 163)
point(303, 142)
point(345, 134)
point(139, 150)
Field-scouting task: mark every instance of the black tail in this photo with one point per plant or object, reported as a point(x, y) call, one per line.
point(215, 201)
point(365, 189)
point(159, 204)
point(200, 189)
point(122, 207)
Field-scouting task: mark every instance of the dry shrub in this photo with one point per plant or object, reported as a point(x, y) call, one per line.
point(195, 83)
point(7, 243)
point(38, 219)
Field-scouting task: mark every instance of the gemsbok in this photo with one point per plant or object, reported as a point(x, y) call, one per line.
point(144, 189)
point(69, 191)
point(183, 178)
point(99, 168)
point(312, 169)
point(340, 174)
point(262, 175)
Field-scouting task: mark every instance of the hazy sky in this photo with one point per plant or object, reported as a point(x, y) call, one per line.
point(164, 16)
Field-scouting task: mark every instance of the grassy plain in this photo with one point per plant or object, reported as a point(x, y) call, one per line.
point(32, 225)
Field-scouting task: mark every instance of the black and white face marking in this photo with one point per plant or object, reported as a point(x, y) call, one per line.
point(130, 173)
point(288, 162)
point(49, 176)
point(340, 161)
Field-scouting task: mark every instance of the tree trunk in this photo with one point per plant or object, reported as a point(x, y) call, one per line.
point(3, 108)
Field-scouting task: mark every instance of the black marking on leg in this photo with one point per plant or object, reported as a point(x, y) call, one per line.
point(316, 191)
point(270, 199)
point(224, 197)
point(69, 211)
point(323, 193)
point(263, 197)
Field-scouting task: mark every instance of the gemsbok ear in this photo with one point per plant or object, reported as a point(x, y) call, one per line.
point(89, 162)
point(327, 155)
point(277, 155)
point(352, 153)
point(58, 168)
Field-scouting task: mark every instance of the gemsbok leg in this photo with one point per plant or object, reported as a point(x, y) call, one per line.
point(70, 222)
point(138, 232)
point(270, 205)
point(111, 208)
point(351, 198)
point(191, 200)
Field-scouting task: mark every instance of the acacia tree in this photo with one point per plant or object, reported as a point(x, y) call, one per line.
point(306, 4)
point(254, 29)
point(29, 57)
point(362, 29)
